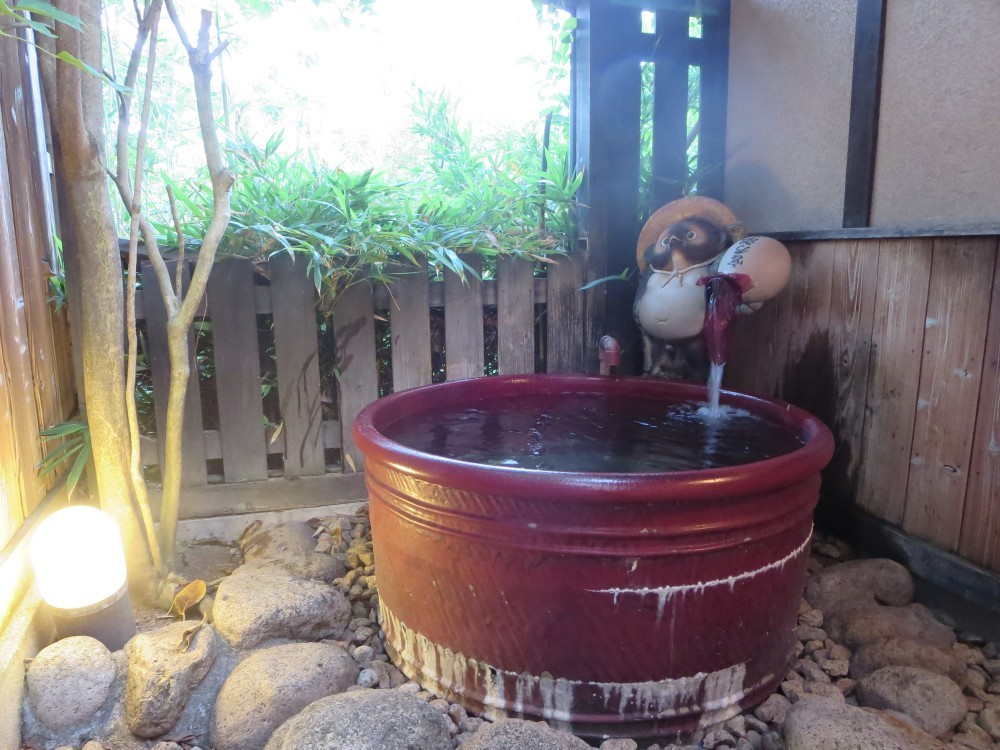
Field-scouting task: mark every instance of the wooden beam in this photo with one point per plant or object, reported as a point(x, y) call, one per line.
point(866, 92)
point(272, 494)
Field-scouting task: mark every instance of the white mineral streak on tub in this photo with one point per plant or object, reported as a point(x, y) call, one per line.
point(665, 593)
point(723, 691)
point(441, 669)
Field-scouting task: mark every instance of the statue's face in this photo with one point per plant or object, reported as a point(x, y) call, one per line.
point(695, 239)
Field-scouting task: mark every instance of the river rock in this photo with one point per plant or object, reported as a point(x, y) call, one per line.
point(311, 566)
point(274, 541)
point(364, 720)
point(162, 675)
point(906, 652)
point(69, 681)
point(933, 701)
point(820, 724)
point(860, 581)
point(251, 609)
point(868, 623)
point(272, 685)
point(989, 719)
point(511, 733)
point(773, 710)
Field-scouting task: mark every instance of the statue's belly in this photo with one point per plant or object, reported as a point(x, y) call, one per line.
point(673, 307)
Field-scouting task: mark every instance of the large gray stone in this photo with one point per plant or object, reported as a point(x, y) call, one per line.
point(251, 609)
point(279, 539)
point(313, 566)
point(822, 724)
point(272, 685)
point(69, 681)
point(906, 652)
point(364, 720)
point(162, 676)
point(933, 701)
point(868, 623)
point(516, 733)
point(860, 581)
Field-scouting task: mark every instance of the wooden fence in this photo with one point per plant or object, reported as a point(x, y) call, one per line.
point(36, 383)
point(265, 329)
point(895, 343)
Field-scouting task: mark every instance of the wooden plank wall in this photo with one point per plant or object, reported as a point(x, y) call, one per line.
point(304, 443)
point(895, 343)
point(36, 384)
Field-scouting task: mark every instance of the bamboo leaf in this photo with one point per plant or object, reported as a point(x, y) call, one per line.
point(41, 8)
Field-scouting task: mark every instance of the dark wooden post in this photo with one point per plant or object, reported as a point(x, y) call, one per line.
point(606, 93)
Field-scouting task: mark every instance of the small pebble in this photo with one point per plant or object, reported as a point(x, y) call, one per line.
point(368, 678)
point(363, 654)
point(772, 741)
point(718, 738)
point(619, 744)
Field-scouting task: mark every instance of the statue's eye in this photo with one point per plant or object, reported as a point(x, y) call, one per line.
point(691, 235)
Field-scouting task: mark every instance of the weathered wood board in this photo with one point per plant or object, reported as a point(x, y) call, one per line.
point(293, 303)
point(354, 331)
point(980, 539)
point(193, 470)
point(237, 370)
point(950, 377)
point(409, 319)
point(465, 355)
point(904, 269)
point(515, 316)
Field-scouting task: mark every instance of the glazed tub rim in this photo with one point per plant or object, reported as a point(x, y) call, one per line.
point(763, 476)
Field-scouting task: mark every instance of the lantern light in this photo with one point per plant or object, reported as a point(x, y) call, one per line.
point(79, 566)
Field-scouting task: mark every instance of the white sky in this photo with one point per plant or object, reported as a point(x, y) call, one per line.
point(353, 86)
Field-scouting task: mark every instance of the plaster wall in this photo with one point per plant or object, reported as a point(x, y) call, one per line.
point(939, 128)
point(789, 105)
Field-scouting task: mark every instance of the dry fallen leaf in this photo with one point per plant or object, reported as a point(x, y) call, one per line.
point(188, 635)
point(187, 597)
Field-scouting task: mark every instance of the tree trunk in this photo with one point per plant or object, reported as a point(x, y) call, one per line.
point(80, 129)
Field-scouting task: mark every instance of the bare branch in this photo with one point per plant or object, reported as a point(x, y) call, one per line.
point(178, 230)
point(121, 177)
point(135, 211)
point(218, 50)
point(175, 19)
point(222, 179)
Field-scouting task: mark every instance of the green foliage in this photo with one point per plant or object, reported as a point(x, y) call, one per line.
point(469, 196)
point(75, 447)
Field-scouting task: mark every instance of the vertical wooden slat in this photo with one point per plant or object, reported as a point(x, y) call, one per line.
point(950, 377)
point(193, 472)
point(866, 93)
point(293, 302)
point(749, 337)
point(30, 230)
point(354, 331)
point(852, 309)
point(980, 540)
point(409, 319)
point(16, 347)
point(761, 355)
point(515, 316)
point(465, 355)
point(564, 316)
point(670, 106)
point(808, 378)
point(11, 462)
point(237, 370)
point(904, 269)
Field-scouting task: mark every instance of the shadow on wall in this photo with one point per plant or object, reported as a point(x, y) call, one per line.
point(756, 196)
